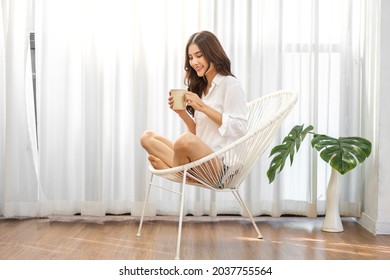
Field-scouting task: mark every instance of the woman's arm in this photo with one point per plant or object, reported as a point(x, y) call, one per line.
point(189, 122)
point(213, 114)
point(232, 120)
point(197, 103)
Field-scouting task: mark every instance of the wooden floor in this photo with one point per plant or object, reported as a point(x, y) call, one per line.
point(216, 238)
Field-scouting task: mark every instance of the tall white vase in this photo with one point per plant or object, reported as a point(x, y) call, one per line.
point(332, 221)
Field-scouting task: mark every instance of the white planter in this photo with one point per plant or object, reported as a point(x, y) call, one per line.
point(332, 221)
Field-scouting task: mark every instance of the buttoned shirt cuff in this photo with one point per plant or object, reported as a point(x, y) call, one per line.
point(232, 126)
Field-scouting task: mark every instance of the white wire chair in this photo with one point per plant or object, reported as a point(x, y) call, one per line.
point(225, 169)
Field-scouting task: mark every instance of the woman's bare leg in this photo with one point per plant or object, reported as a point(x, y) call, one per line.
point(160, 149)
point(157, 163)
point(188, 148)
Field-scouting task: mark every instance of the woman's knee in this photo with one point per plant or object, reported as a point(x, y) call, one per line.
point(185, 142)
point(147, 137)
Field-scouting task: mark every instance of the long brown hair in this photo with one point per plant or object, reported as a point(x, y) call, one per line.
point(214, 53)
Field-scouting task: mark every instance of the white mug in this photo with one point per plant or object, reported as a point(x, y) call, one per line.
point(178, 98)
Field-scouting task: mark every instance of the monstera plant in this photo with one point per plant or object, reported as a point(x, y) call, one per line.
point(343, 154)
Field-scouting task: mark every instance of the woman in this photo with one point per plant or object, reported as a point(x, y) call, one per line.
point(216, 107)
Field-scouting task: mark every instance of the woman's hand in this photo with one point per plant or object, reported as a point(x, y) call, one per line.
point(170, 101)
point(193, 100)
point(183, 115)
point(170, 104)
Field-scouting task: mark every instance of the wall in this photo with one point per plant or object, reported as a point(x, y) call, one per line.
point(376, 212)
point(383, 222)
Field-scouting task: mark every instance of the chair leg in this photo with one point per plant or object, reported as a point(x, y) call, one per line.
point(243, 205)
point(145, 203)
point(183, 185)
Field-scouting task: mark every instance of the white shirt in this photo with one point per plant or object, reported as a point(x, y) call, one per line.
point(226, 96)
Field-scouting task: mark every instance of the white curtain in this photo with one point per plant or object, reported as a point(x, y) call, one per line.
point(104, 69)
point(18, 149)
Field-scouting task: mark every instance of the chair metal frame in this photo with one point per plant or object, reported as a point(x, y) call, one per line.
point(265, 116)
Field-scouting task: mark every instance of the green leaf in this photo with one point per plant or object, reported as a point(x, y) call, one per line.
point(344, 153)
point(290, 145)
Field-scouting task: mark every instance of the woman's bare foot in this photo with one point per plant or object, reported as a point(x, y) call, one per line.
point(157, 163)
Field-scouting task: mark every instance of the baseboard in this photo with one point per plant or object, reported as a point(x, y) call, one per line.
point(383, 227)
point(367, 222)
point(374, 226)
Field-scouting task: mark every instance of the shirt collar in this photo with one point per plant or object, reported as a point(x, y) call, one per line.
point(215, 83)
point(218, 79)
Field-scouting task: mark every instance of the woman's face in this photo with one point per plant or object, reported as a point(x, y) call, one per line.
point(197, 61)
